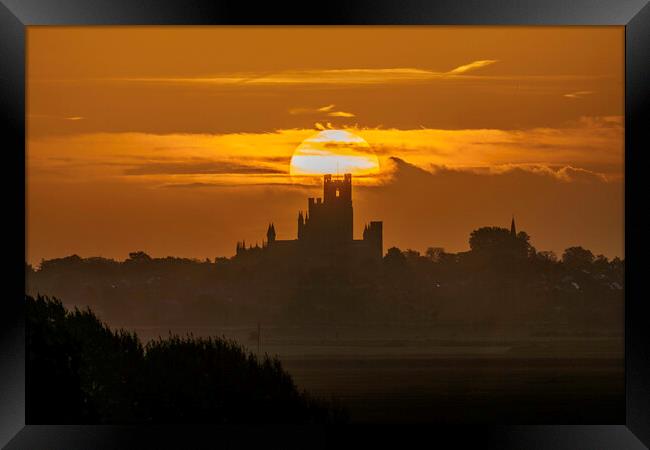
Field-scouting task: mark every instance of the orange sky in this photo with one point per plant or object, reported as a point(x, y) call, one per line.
point(178, 140)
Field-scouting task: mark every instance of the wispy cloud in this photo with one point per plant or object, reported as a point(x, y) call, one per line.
point(578, 94)
point(233, 185)
point(588, 148)
point(199, 168)
point(354, 76)
point(341, 77)
point(592, 143)
point(322, 111)
point(565, 174)
point(49, 116)
point(321, 126)
point(340, 114)
point(472, 66)
point(309, 111)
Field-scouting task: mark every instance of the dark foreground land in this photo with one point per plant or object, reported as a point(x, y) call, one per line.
point(450, 374)
point(79, 371)
point(502, 333)
point(472, 390)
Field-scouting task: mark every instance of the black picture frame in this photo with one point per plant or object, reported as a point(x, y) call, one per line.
point(15, 15)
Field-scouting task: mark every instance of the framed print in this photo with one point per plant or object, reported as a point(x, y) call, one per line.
point(272, 226)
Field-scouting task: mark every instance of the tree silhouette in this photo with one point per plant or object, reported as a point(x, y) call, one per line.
point(139, 257)
point(435, 254)
point(489, 239)
point(577, 258)
point(497, 246)
point(547, 256)
point(80, 371)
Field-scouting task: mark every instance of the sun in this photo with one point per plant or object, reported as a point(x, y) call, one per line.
point(334, 152)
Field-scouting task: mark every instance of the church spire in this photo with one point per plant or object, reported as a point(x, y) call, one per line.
point(270, 234)
point(301, 225)
point(513, 228)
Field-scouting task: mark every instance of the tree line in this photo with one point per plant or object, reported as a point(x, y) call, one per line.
point(501, 278)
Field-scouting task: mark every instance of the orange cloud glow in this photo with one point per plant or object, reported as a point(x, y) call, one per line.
point(180, 140)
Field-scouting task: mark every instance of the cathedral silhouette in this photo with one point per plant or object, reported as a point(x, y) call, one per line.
point(325, 229)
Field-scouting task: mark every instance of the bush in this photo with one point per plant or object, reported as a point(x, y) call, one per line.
point(80, 371)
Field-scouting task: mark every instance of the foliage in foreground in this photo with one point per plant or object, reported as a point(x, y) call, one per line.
point(81, 371)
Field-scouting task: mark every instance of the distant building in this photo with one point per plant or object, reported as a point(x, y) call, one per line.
point(325, 229)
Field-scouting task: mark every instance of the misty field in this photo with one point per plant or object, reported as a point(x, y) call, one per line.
point(452, 374)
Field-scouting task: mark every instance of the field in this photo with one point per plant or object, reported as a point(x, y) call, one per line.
point(450, 374)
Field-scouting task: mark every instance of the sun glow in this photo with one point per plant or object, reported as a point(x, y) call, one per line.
point(334, 152)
